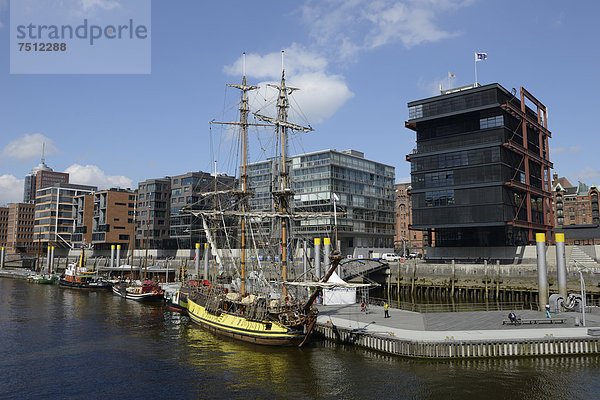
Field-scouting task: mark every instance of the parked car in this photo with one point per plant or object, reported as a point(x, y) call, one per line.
point(391, 257)
point(415, 255)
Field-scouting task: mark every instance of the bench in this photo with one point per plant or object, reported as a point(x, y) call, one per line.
point(535, 321)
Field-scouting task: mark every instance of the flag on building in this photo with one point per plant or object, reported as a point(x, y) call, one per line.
point(480, 56)
point(451, 75)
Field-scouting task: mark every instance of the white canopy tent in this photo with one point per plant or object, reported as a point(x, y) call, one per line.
point(341, 294)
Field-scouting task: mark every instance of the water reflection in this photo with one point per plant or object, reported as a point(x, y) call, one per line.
point(57, 343)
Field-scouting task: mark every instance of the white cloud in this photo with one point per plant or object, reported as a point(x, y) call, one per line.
point(101, 4)
point(351, 26)
point(28, 147)
point(587, 175)
point(11, 189)
point(94, 176)
point(321, 94)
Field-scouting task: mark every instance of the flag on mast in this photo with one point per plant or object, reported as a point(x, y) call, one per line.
point(451, 75)
point(480, 56)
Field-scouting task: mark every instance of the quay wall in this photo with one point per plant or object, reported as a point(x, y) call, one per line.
point(451, 349)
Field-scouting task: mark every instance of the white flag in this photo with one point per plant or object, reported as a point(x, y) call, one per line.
point(480, 56)
point(335, 197)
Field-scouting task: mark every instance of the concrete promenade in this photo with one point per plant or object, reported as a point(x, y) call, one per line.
point(479, 325)
point(457, 334)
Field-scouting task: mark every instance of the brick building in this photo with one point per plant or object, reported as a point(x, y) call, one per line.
point(576, 211)
point(104, 218)
point(574, 204)
point(41, 177)
point(406, 239)
point(19, 231)
point(3, 225)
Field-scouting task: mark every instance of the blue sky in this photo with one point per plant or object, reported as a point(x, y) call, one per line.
point(358, 63)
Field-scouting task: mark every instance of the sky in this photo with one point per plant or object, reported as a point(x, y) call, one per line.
point(357, 64)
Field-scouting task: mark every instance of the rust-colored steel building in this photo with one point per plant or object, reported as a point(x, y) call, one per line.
point(480, 173)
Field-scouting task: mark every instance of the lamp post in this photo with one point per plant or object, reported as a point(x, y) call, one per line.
point(582, 286)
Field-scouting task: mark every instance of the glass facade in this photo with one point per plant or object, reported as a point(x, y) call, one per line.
point(365, 190)
point(463, 169)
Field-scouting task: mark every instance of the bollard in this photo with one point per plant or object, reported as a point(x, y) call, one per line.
point(48, 259)
point(326, 253)
point(318, 258)
point(197, 260)
point(2, 258)
point(206, 256)
point(561, 265)
point(112, 255)
point(304, 262)
point(52, 259)
point(118, 259)
point(540, 239)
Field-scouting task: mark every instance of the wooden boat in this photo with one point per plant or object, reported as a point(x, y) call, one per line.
point(42, 279)
point(176, 301)
point(278, 318)
point(146, 291)
point(77, 276)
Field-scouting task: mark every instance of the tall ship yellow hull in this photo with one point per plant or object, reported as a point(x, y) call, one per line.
point(265, 332)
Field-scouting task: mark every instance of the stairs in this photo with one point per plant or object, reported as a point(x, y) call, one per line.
point(577, 254)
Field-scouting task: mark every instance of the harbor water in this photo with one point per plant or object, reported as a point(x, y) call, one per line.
point(59, 343)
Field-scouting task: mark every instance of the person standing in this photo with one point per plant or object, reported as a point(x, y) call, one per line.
point(548, 311)
point(386, 310)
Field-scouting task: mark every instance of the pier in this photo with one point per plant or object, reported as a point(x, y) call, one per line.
point(479, 334)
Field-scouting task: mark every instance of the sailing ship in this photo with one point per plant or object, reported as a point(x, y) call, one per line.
point(277, 318)
point(77, 276)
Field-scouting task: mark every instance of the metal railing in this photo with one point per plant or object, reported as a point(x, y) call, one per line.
point(455, 307)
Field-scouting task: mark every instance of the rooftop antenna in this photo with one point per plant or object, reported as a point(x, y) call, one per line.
point(282, 68)
point(43, 152)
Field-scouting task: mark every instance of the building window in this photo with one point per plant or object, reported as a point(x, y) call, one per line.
point(491, 122)
point(439, 198)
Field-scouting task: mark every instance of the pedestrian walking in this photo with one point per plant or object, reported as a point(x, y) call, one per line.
point(386, 310)
point(548, 311)
point(363, 306)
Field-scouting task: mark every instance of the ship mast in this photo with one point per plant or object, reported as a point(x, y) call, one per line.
point(244, 110)
point(284, 193)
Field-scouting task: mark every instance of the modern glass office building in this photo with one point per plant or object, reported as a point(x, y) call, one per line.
point(365, 190)
point(481, 170)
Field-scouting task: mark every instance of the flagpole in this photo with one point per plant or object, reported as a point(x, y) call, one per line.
point(475, 69)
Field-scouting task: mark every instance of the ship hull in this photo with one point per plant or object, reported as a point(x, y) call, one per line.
point(85, 285)
point(141, 297)
point(237, 327)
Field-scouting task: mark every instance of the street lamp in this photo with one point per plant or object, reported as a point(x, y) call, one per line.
point(582, 285)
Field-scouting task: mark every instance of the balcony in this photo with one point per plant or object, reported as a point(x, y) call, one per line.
point(98, 237)
point(103, 228)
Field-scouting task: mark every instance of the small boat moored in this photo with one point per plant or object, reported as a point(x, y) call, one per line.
point(146, 291)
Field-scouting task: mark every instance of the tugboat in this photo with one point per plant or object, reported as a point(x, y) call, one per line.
point(77, 276)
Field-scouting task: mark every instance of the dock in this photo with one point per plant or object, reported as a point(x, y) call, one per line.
point(453, 335)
